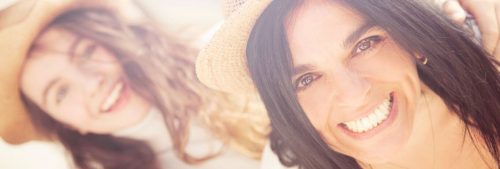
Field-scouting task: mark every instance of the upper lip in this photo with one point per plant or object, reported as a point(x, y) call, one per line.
point(365, 111)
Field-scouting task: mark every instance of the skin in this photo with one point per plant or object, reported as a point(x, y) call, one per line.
point(338, 83)
point(85, 75)
point(487, 15)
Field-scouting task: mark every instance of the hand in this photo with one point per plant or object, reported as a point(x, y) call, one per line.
point(454, 10)
point(487, 15)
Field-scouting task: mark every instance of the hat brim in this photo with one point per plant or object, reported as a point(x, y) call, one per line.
point(221, 64)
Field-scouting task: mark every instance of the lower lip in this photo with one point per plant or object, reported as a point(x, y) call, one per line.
point(122, 100)
point(372, 132)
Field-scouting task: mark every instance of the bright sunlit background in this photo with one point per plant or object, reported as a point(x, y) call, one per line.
point(190, 19)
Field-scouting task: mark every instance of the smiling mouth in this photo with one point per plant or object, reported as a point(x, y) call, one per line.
point(372, 120)
point(113, 98)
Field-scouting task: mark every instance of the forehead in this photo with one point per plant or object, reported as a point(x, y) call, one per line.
point(317, 27)
point(53, 39)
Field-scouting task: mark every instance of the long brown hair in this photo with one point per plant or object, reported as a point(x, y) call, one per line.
point(161, 69)
point(460, 72)
point(92, 151)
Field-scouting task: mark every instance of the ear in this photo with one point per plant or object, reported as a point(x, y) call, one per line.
point(418, 57)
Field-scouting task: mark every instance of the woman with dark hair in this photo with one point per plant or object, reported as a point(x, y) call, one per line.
point(124, 95)
point(362, 84)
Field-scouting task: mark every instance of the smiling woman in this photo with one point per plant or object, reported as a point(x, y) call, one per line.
point(355, 85)
point(124, 95)
point(375, 85)
point(80, 84)
point(362, 84)
point(75, 88)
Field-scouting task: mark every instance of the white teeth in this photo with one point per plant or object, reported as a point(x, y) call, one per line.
point(372, 120)
point(112, 98)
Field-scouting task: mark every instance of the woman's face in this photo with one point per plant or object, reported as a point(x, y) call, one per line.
point(80, 83)
point(358, 88)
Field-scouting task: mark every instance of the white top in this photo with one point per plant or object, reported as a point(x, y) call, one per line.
point(153, 130)
point(33, 155)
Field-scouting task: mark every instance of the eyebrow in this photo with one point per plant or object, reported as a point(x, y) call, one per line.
point(354, 36)
point(47, 89)
point(348, 42)
point(301, 69)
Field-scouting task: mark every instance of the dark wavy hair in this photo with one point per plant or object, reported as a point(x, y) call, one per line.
point(93, 151)
point(460, 72)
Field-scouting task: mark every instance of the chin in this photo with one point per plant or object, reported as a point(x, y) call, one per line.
point(384, 143)
point(381, 155)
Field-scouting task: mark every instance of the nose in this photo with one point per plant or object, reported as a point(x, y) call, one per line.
point(86, 85)
point(89, 82)
point(92, 82)
point(349, 87)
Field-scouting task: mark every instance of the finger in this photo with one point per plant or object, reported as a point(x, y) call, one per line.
point(454, 11)
point(486, 18)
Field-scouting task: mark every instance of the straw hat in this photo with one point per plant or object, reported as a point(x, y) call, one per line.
point(221, 64)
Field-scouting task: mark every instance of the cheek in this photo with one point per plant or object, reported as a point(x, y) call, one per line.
point(393, 69)
point(389, 62)
point(316, 103)
point(389, 65)
point(72, 112)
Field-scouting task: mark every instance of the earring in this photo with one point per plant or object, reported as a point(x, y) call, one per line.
point(424, 60)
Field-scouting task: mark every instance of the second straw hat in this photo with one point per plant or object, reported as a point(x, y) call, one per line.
point(221, 64)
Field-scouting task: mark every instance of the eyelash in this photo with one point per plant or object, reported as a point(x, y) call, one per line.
point(360, 49)
point(304, 81)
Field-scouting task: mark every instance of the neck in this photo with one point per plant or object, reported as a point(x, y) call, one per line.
point(152, 129)
point(440, 140)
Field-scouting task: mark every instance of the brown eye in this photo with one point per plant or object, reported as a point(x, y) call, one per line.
point(305, 81)
point(366, 45)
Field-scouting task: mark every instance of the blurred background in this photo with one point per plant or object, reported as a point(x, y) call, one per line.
point(190, 19)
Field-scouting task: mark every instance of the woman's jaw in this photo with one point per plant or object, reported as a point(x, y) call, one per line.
point(122, 103)
point(377, 135)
